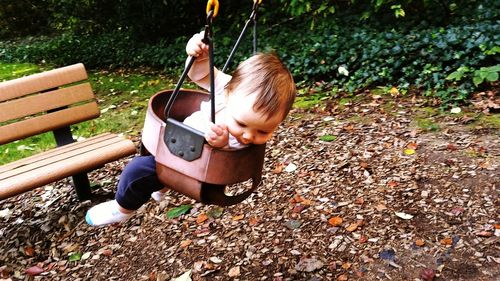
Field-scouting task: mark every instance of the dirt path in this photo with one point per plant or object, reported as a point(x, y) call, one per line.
point(368, 190)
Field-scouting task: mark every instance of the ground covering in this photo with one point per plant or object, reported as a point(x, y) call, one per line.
point(373, 188)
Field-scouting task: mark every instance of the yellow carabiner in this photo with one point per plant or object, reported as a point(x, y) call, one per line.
point(214, 3)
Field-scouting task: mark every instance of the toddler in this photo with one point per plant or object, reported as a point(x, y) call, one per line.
point(250, 105)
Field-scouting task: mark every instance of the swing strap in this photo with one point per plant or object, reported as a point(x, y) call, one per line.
point(253, 18)
point(208, 39)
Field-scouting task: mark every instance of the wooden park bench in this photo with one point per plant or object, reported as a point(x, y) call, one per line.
point(52, 101)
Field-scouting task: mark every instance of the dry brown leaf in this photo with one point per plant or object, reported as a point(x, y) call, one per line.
point(29, 251)
point(484, 233)
point(238, 217)
point(201, 218)
point(346, 265)
point(363, 239)
point(253, 221)
point(446, 241)
point(296, 199)
point(392, 183)
point(352, 227)
point(420, 242)
point(412, 145)
point(342, 277)
point(359, 201)
point(186, 243)
point(335, 221)
point(278, 168)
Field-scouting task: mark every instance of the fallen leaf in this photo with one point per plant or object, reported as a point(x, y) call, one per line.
point(215, 212)
point(335, 221)
point(178, 211)
point(238, 217)
point(75, 256)
point(412, 145)
point(86, 256)
point(427, 274)
point(215, 260)
point(278, 168)
point(290, 168)
point(420, 242)
point(34, 270)
point(451, 147)
point(342, 277)
point(394, 91)
point(404, 216)
point(484, 233)
point(328, 138)
point(346, 265)
point(298, 208)
point(186, 276)
point(201, 218)
point(308, 264)
point(352, 227)
point(446, 241)
point(409, 151)
point(186, 243)
point(252, 221)
point(29, 251)
point(392, 183)
point(293, 224)
point(359, 201)
point(363, 239)
point(296, 199)
point(234, 271)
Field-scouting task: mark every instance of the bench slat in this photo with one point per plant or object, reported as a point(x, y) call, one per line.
point(50, 153)
point(47, 122)
point(42, 81)
point(62, 167)
point(56, 156)
point(34, 104)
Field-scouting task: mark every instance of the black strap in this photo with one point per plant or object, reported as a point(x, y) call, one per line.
point(209, 41)
point(253, 17)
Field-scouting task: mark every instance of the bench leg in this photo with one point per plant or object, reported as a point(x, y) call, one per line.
point(82, 186)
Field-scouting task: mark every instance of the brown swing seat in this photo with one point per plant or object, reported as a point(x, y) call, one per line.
point(205, 178)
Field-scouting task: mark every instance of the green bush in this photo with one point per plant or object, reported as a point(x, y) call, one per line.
point(447, 61)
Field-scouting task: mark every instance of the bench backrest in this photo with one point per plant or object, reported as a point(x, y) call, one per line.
point(44, 102)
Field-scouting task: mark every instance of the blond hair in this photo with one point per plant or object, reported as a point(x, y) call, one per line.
point(267, 76)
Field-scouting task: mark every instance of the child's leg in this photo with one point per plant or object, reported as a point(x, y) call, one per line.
point(137, 182)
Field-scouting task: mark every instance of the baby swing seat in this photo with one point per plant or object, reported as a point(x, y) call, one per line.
point(186, 163)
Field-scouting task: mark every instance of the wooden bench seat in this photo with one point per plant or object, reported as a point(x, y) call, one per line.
point(52, 101)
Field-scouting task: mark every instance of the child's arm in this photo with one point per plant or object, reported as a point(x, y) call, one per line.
point(200, 71)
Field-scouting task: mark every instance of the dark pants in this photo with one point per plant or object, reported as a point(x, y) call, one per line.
point(137, 182)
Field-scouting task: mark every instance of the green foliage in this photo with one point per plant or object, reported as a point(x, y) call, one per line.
point(178, 211)
point(446, 57)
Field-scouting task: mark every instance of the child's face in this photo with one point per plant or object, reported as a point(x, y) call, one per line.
point(244, 123)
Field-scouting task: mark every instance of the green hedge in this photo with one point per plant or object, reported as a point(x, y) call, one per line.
point(448, 61)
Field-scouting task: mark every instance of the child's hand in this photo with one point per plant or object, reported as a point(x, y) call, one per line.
point(195, 47)
point(218, 135)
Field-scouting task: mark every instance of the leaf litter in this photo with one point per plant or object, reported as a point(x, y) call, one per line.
point(381, 200)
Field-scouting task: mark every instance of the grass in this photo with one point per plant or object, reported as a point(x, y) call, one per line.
point(122, 97)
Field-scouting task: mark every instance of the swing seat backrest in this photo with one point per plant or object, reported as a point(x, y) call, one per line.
point(204, 178)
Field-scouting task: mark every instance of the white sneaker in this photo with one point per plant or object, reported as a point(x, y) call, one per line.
point(105, 213)
point(158, 196)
